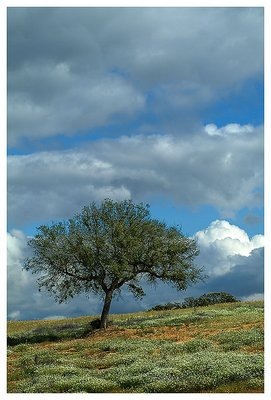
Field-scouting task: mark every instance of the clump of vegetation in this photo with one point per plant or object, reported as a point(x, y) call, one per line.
point(140, 366)
point(204, 300)
point(167, 306)
point(233, 340)
point(53, 333)
point(164, 320)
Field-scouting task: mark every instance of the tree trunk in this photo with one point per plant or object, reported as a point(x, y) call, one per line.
point(106, 307)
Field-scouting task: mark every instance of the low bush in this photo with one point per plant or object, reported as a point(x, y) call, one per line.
point(234, 340)
point(195, 345)
point(67, 384)
point(167, 306)
point(204, 300)
point(51, 334)
point(164, 320)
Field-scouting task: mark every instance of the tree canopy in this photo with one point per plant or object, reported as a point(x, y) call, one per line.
point(108, 246)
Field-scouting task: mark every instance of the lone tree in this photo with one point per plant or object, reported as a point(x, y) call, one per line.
point(108, 246)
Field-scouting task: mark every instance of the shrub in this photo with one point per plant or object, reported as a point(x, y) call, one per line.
point(195, 345)
point(167, 306)
point(236, 339)
point(204, 300)
point(68, 384)
point(216, 298)
point(51, 334)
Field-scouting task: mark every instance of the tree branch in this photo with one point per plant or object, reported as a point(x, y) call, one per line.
point(82, 278)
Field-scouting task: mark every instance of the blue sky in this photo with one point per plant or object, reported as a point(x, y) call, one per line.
point(160, 105)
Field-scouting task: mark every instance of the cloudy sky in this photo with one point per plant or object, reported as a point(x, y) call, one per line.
point(158, 105)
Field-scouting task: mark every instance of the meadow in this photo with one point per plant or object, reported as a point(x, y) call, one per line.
point(214, 349)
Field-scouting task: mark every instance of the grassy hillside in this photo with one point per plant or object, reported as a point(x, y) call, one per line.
point(209, 349)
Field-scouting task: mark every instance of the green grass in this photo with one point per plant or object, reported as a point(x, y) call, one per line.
point(51, 333)
point(212, 349)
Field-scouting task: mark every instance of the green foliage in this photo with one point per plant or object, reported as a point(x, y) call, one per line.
point(142, 370)
point(108, 246)
point(233, 340)
point(167, 306)
point(203, 370)
point(165, 320)
point(204, 300)
point(195, 345)
point(68, 384)
point(95, 324)
point(215, 298)
point(52, 334)
point(229, 361)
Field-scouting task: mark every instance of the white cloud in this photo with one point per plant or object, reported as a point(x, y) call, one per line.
point(220, 244)
point(16, 244)
point(253, 297)
point(14, 315)
point(230, 129)
point(20, 283)
point(193, 170)
point(24, 299)
point(16, 251)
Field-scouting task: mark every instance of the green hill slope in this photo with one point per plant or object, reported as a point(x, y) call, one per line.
point(209, 349)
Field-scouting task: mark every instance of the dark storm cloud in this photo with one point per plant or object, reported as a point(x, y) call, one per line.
point(251, 219)
point(244, 279)
point(72, 69)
